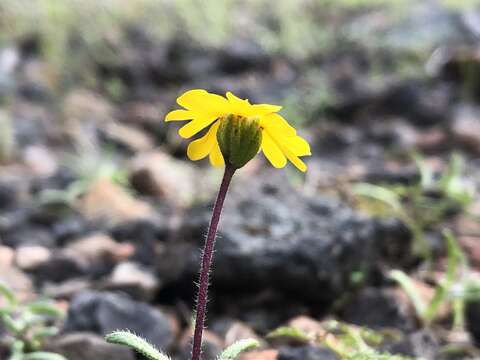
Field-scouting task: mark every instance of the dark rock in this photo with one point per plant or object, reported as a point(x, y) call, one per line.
point(306, 353)
point(263, 310)
point(13, 219)
point(71, 227)
point(241, 55)
point(422, 105)
point(28, 235)
point(465, 128)
point(86, 346)
point(143, 234)
point(305, 247)
point(472, 313)
point(59, 181)
point(30, 126)
point(133, 279)
point(420, 344)
point(61, 266)
point(379, 308)
point(104, 312)
point(8, 195)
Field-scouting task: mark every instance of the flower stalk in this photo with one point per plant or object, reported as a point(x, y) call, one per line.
point(207, 257)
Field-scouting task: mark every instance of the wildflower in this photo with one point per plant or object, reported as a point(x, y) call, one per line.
point(259, 128)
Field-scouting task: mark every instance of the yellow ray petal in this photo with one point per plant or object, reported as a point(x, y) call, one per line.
point(265, 109)
point(239, 106)
point(204, 103)
point(194, 126)
point(272, 151)
point(295, 160)
point(278, 125)
point(283, 146)
point(176, 115)
point(216, 158)
point(297, 145)
point(200, 148)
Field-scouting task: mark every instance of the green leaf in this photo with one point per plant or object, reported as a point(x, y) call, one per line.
point(8, 294)
point(46, 308)
point(44, 332)
point(455, 257)
point(238, 347)
point(10, 324)
point(379, 193)
point(137, 343)
point(407, 285)
point(43, 355)
point(289, 332)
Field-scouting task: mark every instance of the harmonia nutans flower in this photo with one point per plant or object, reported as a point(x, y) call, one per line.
point(237, 130)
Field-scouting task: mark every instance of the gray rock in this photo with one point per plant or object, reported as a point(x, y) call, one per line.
point(104, 312)
point(87, 346)
point(306, 353)
point(133, 279)
point(379, 308)
point(421, 344)
point(60, 266)
point(272, 237)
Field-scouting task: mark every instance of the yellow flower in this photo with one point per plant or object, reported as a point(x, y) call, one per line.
point(279, 140)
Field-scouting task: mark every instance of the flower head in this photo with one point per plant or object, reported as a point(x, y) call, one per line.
point(277, 139)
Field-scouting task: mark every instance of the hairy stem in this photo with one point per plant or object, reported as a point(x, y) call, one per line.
point(207, 257)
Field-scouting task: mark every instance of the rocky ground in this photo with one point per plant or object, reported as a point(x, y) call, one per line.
point(101, 212)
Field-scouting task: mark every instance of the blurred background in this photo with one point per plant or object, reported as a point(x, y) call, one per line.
point(375, 249)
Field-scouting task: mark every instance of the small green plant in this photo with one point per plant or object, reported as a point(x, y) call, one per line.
point(349, 342)
point(421, 205)
point(28, 326)
point(89, 167)
point(149, 351)
point(291, 333)
point(355, 343)
point(444, 291)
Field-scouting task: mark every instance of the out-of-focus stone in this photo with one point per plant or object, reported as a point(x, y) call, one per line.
point(133, 279)
point(308, 326)
point(88, 346)
point(104, 312)
point(127, 136)
point(260, 355)
point(84, 105)
point(239, 331)
point(18, 282)
point(61, 266)
point(141, 113)
point(109, 201)
point(382, 308)
point(466, 127)
point(307, 352)
point(7, 255)
point(158, 174)
point(40, 160)
point(66, 289)
point(99, 247)
point(30, 257)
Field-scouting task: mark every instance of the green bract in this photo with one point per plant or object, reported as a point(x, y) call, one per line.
point(239, 139)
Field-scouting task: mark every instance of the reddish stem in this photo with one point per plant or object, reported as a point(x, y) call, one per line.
point(207, 263)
